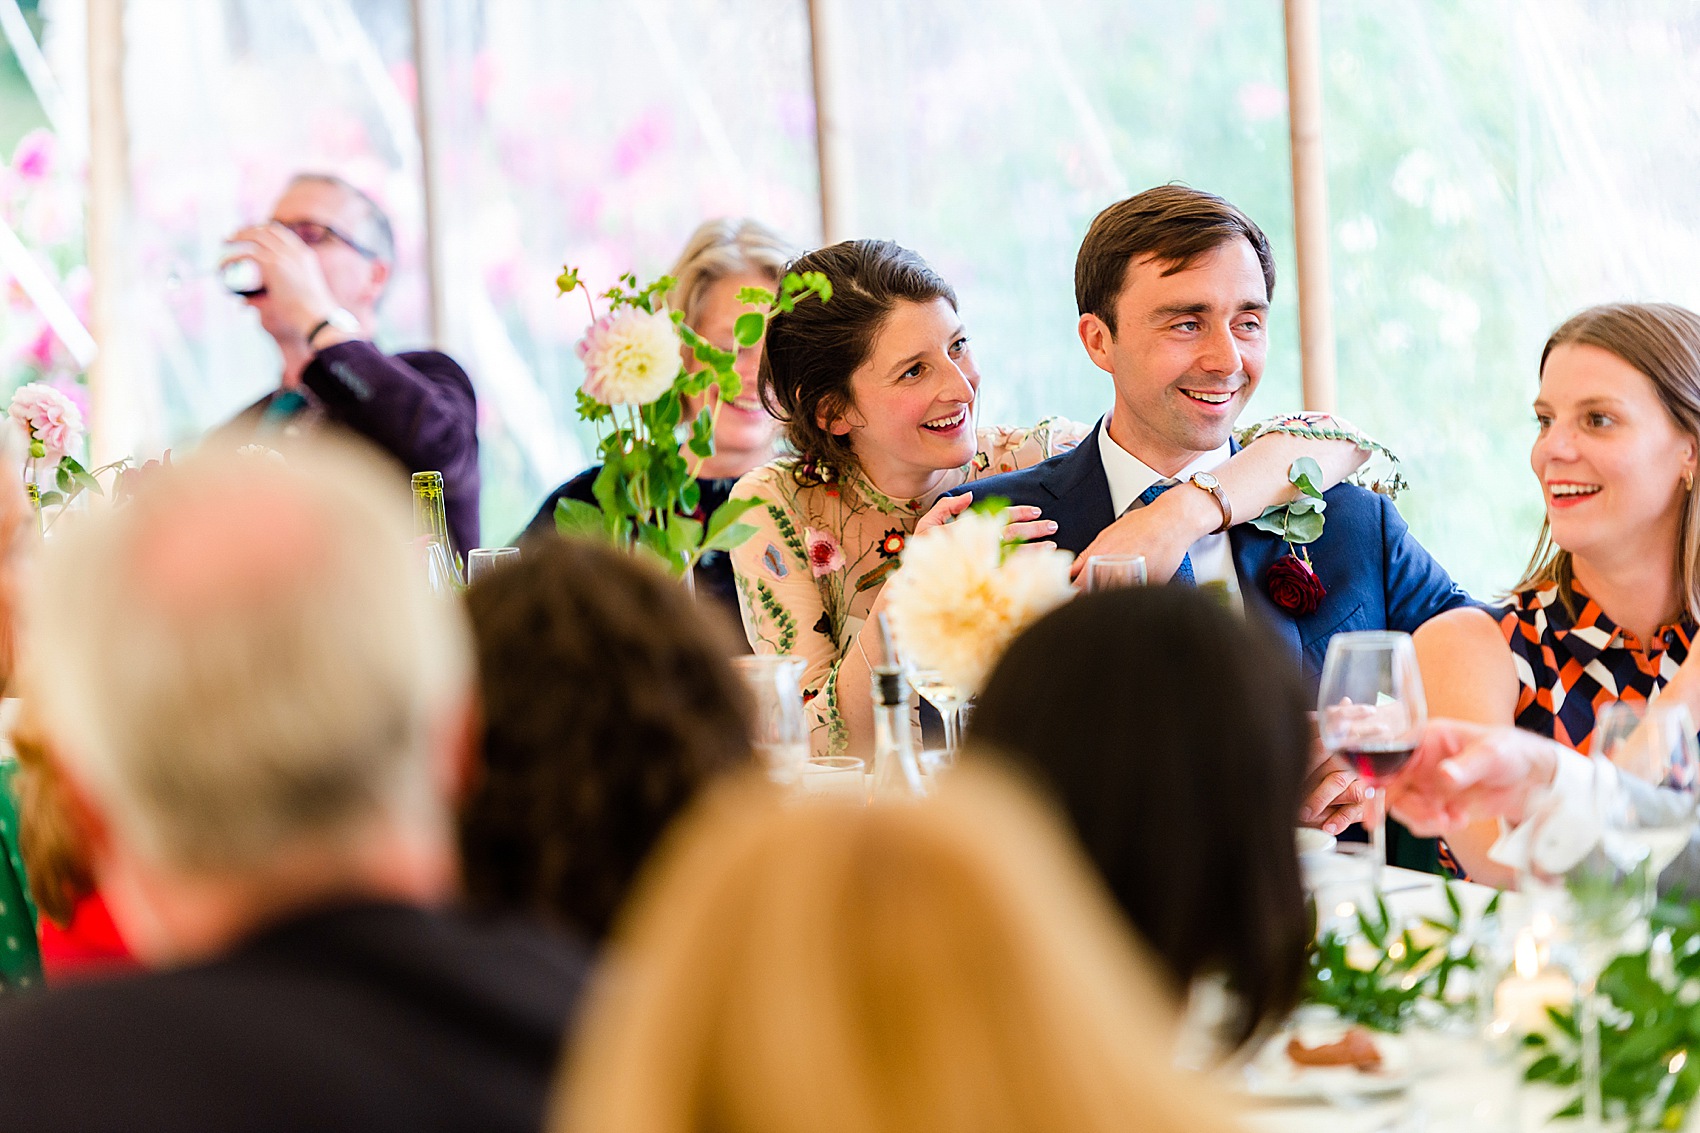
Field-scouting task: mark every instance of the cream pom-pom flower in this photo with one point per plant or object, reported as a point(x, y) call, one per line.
point(630, 357)
point(960, 597)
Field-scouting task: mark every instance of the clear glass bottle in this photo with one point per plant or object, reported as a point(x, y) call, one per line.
point(431, 530)
point(896, 771)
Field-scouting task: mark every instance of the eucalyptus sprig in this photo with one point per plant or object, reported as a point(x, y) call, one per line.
point(647, 490)
point(1381, 975)
point(1300, 521)
point(1649, 1031)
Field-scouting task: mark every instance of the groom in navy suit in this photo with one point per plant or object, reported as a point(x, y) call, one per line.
point(1173, 287)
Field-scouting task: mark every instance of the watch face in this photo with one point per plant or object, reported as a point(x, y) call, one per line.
point(1206, 481)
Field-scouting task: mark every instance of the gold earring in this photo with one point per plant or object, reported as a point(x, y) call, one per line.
point(1688, 480)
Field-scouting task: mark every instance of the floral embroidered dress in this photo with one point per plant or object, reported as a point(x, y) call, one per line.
point(1567, 669)
point(808, 576)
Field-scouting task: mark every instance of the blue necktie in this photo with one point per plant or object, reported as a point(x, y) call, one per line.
point(1183, 574)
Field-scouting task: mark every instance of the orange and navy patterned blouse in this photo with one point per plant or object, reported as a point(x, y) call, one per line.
point(1567, 669)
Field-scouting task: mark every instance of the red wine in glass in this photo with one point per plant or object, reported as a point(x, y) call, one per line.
point(1378, 763)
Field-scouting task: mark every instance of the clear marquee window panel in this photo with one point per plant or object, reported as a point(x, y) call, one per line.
point(1491, 169)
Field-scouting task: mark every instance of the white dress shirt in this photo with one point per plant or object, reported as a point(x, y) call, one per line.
point(1212, 556)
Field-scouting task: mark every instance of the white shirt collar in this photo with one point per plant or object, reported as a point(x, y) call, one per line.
point(1129, 476)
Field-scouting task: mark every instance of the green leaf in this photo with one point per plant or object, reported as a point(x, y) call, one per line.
point(1272, 520)
point(606, 489)
point(727, 514)
point(1306, 474)
point(755, 296)
point(88, 483)
point(747, 331)
point(1306, 527)
point(62, 477)
point(729, 538)
point(991, 505)
point(684, 535)
point(51, 499)
point(589, 409)
point(577, 518)
point(690, 495)
point(702, 436)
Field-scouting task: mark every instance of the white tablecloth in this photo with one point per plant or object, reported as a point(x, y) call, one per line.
point(1460, 1083)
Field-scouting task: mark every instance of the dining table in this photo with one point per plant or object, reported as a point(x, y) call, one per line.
point(1460, 1077)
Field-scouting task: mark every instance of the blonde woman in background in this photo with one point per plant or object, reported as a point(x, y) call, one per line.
point(947, 967)
point(721, 257)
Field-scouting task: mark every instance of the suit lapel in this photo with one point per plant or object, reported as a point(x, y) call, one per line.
point(1081, 494)
point(1254, 551)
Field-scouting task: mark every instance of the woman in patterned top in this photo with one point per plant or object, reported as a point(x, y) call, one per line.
point(877, 390)
point(1608, 606)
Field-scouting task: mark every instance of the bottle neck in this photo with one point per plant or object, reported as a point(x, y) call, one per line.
point(895, 768)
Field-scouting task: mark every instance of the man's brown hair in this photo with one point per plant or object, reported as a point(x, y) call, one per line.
point(1172, 224)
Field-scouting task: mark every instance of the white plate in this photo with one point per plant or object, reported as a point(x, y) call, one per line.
point(1313, 841)
point(1274, 1076)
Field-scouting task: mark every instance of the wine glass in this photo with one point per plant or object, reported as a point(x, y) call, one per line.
point(1655, 745)
point(483, 560)
point(949, 699)
point(1371, 711)
point(1114, 572)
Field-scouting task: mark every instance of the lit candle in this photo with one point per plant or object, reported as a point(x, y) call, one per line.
point(1520, 1003)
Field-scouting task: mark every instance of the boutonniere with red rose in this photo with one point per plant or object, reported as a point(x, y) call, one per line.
point(1291, 580)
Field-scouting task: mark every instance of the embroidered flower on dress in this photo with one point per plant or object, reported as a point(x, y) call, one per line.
point(892, 544)
point(825, 555)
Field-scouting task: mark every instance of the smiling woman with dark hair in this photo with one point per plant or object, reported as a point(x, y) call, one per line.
point(1173, 733)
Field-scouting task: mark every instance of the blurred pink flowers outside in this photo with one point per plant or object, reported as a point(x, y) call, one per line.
point(33, 157)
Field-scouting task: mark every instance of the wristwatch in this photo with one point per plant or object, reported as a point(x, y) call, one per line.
point(1214, 486)
point(339, 318)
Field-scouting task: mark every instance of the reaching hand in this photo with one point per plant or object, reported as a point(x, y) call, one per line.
point(1021, 524)
point(1334, 795)
point(1467, 772)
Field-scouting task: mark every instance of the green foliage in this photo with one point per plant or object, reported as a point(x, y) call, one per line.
point(1406, 969)
point(647, 492)
point(1649, 1031)
point(1300, 521)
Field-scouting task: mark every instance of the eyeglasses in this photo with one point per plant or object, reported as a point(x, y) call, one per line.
point(312, 234)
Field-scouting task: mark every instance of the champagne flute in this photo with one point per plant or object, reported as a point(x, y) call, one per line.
point(949, 699)
point(1371, 711)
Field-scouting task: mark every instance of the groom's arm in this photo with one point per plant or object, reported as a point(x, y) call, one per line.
point(1417, 587)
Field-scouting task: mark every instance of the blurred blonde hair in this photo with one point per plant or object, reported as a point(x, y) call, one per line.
point(723, 247)
point(946, 967)
point(246, 657)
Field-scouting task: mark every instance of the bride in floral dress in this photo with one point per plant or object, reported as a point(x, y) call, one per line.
point(877, 390)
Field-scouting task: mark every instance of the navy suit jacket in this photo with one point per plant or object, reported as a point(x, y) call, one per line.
point(1376, 574)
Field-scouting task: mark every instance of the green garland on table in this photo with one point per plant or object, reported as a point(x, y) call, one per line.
point(1649, 1031)
point(1380, 975)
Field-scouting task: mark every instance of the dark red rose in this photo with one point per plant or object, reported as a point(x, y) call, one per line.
point(1293, 585)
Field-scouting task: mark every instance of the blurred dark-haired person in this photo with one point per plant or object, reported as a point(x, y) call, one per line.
point(608, 704)
point(1173, 733)
point(325, 258)
point(879, 395)
point(721, 258)
point(262, 717)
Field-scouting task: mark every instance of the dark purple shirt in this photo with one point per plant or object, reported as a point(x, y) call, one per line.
point(419, 407)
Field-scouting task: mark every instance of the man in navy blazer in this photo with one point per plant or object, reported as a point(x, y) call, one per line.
point(1173, 287)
